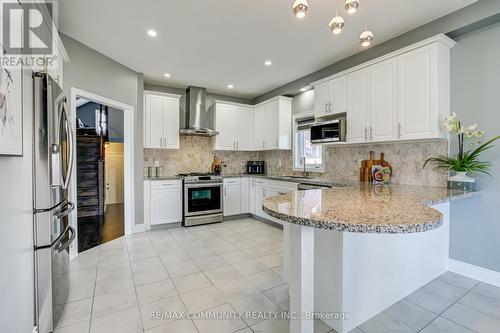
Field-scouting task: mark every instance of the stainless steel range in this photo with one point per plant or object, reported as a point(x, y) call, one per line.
point(203, 199)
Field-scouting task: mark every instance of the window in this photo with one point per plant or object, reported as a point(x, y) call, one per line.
point(303, 148)
point(101, 122)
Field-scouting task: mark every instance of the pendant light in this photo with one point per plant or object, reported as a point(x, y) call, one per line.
point(351, 6)
point(337, 24)
point(300, 8)
point(366, 38)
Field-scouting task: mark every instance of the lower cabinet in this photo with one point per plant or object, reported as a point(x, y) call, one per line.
point(163, 203)
point(232, 196)
point(265, 188)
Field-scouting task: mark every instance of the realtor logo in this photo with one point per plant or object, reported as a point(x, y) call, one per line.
point(28, 35)
point(27, 28)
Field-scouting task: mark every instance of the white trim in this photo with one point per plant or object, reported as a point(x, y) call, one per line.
point(128, 153)
point(284, 98)
point(441, 38)
point(218, 101)
point(474, 272)
point(294, 143)
point(140, 228)
point(160, 93)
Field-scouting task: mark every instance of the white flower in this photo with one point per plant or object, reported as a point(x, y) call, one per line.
point(479, 134)
point(472, 127)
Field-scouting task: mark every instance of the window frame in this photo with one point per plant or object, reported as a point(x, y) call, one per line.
point(309, 168)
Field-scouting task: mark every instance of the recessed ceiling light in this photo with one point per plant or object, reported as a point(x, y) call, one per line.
point(230, 86)
point(152, 33)
point(268, 63)
point(167, 75)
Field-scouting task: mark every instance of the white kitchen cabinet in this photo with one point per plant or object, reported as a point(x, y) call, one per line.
point(330, 97)
point(232, 196)
point(260, 127)
point(383, 101)
point(273, 124)
point(161, 120)
point(357, 106)
point(265, 188)
point(166, 202)
point(235, 126)
point(423, 91)
point(245, 195)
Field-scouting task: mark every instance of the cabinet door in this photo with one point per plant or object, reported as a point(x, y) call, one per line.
point(357, 96)
point(232, 200)
point(383, 101)
point(171, 123)
point(251, 196)
point(322, 93)
point(414, 93)
point(153, 121)
point(259, 197)
point(337, 102)
point(272, 125)
point(224, 122)
point(245, 195)
point(166, 204)
point(244, 128)
point(260, 127)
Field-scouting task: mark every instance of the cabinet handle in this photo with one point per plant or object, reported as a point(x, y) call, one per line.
point(400, 129)
point(366, 133)
point(237, 145)
point(225, 191)
point(371, 132)
point(326, 107)
point(330, 108)
point(263, 144)
point(277, 142)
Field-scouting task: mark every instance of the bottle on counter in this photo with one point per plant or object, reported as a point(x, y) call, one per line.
point(215, 168)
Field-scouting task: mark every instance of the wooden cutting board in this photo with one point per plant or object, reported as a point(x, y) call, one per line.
point(365, 172)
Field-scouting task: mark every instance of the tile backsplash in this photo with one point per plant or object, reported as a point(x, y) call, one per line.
point(342, 162)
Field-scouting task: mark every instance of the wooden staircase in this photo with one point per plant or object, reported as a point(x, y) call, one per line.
point(90, 174)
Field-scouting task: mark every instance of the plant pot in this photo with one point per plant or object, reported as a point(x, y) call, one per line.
point(461, 181)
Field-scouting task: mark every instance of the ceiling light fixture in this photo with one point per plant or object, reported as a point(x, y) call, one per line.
point(300, 8)
point(366, 38)
point(152, 33)
point(167, 75)
point(351, 6)
point(230, 86)
point(268, 63)
point(336, 24)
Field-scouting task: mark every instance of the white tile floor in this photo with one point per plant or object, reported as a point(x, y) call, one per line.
point(229, 267)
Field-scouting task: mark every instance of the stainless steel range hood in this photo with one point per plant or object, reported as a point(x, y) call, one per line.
point(199, 119)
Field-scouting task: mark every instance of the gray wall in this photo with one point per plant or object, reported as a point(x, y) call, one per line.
point(475, 88)
point(16, 229)
point(93, 72)
point(86, 113)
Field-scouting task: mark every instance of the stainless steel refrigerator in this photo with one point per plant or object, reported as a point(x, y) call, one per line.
point(52, 167)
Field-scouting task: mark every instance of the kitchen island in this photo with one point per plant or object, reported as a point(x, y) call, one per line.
point(354, 251)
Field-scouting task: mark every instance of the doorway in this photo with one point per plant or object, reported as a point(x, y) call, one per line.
point(100, 176)
point(118, 204)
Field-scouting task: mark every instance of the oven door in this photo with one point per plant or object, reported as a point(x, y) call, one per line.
point(202, 199)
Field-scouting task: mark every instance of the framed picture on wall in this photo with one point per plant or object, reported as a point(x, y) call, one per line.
point(11, 112)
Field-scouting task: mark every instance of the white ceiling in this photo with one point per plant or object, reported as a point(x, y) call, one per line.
point(213, 43)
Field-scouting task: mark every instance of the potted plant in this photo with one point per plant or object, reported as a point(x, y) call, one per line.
point(465, 163)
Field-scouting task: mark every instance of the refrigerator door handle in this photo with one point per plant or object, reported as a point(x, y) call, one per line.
point(65, 210)
point(66, 244)
point(70, 144)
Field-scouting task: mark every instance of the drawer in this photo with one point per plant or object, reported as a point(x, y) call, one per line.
point(232, 181)
point(166, 184)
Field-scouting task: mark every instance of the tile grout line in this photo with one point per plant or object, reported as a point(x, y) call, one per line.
point(133, 281)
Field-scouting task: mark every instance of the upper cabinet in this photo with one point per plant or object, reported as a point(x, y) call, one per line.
point(273, 124)
point(402, 96)
point(161, 120)
point(330, 97)
point(232, 121)
point(242, 127)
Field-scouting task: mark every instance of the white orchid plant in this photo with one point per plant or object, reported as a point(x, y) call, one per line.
point(466, 161)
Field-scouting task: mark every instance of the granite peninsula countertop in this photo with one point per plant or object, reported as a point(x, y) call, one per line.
point(365, 208)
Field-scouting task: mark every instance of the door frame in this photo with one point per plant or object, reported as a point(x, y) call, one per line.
point(128, 155)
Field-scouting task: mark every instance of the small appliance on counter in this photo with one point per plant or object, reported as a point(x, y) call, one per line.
point(256, 167)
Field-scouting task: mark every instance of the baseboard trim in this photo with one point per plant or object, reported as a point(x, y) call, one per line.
point(474, 272)
point(139, 228)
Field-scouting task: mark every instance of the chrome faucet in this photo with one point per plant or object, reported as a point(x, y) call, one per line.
point(305, 174)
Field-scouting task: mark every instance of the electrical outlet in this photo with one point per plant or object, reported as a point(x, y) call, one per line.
point(243, 163)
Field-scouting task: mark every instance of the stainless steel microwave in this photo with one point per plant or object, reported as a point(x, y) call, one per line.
point(333, 130)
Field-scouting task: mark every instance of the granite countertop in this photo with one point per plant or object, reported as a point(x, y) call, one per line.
point(365, 208)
